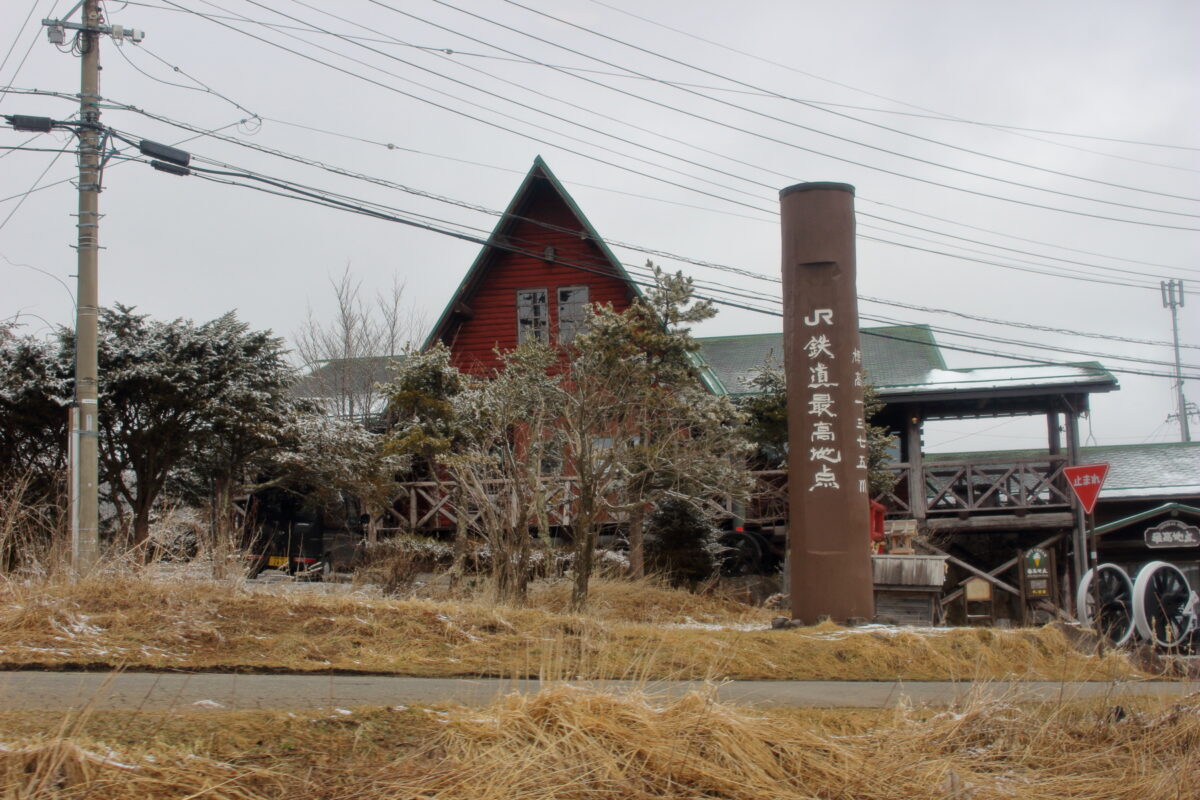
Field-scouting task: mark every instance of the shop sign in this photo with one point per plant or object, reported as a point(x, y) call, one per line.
point(1036, 566)
point(1173, 533)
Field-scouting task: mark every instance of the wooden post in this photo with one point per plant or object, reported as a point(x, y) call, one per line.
point(916, 467)
point(828, 508)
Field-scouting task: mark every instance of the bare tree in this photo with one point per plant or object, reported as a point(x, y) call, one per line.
point(347, 357)
point(509, 423)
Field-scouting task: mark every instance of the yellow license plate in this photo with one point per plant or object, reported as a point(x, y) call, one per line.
point(277, 561)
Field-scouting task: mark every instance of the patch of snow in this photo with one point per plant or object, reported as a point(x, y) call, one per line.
point(208, 704)
point(692, 624)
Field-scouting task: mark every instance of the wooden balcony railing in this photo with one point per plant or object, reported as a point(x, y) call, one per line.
point(965, 488)
point(980, 486)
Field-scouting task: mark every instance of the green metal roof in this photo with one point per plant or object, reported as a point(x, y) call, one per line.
point(904, 362)
point(894, 356)
point(1174, 509)
point(1164, 469)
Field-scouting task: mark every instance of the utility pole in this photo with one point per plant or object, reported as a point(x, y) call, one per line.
point(85, 517)
point(85, 412)
point(1172, 297)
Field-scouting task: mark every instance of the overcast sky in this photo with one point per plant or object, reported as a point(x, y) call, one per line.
point(1030, 162)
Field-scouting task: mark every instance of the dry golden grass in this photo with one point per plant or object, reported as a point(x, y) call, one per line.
point(635, 630)
point(571, 743)
point(567, 743)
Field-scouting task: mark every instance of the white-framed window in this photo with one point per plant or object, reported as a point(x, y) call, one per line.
point(572, 304)
point(533, 318)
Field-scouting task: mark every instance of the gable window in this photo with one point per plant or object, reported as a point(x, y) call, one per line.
point(533, 321)
point(572, 303)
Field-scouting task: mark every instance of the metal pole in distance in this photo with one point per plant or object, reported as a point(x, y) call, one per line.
point(1174, 301)
point(85, 532)
point(1094, 562)
point(1079, 558)
point(828, 502)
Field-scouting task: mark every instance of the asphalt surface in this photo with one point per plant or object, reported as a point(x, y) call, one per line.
point(31, 690)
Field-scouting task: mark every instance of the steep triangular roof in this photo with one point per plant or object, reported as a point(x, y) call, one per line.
point(497, 242)
point(540, 176)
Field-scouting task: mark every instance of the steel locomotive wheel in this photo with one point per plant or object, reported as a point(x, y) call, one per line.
point(1163, 604)
point(1114, 617)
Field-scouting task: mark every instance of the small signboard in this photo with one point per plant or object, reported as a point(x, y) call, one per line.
point(1036, 569)
point(1172, 533)
point(1086, 480)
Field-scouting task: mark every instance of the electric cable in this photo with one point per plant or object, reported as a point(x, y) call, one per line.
point(288, 189)
point(938, 252)
point(459, 112)
point(200, 87)
point(932, 114)
point(679, 141)
point(1070, 274)
point(392, 146)
point(794, 145)
point(1026, 325)
point(17, 38)
point(28, 50)
point(897, 131)
point(25, 195)
point(1033, 345)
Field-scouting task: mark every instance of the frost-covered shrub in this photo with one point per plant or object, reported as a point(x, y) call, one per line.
point(395, 563)
point(682, 543)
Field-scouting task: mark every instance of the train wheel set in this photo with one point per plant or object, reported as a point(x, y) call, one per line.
point(1155, 603)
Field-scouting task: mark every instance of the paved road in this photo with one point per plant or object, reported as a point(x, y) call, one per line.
point(199, 691)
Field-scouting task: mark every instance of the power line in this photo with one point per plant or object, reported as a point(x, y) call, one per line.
point(745, 273)
point(449, 51)
point(510, 130)
point(47, 273)
point(1024, 239)
point(459, 112)
point(505, 128)
point(28, 50)
point(931, 114)
point(391, 146)
point(794, 145)
point(1039, 268)
point(818, 107)
point(17, 38)
point(526, 87)
point(290, 189)
point(25, 195)
point(638, 248)
point(1026, 325)
point(1033, 345)
point(673, 139)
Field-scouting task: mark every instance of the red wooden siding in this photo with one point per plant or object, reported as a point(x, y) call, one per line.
point(493, 298)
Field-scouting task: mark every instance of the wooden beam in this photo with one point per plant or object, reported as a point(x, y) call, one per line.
point(1012, 562)
point(992, 579)
point(983, 524)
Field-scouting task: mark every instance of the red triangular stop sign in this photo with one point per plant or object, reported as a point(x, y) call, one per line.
point(1086, 480)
